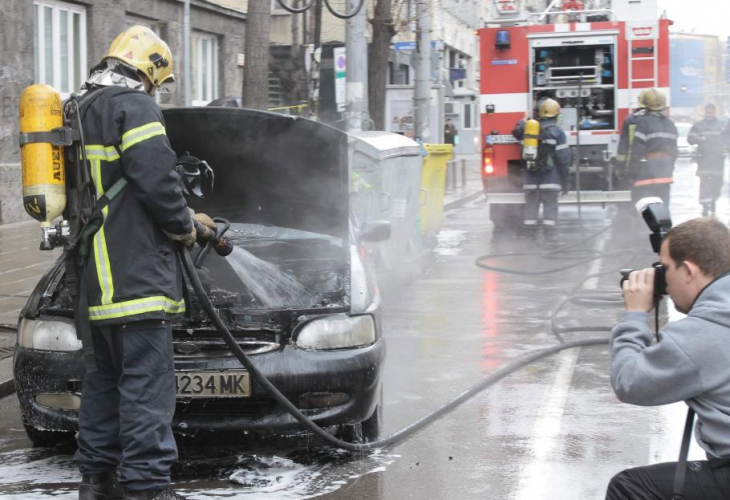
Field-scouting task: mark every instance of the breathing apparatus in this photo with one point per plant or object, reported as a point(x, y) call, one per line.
point(530, 143)
point(44, 136)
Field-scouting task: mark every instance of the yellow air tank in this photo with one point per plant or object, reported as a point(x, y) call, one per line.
point(44, 173)
point(530, 141)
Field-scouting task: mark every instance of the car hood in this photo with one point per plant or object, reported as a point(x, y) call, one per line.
point(269, 169)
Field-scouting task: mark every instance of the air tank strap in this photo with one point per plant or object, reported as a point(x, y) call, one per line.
point(60, 136)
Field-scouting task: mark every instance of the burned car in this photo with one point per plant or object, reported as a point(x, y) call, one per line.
point(297, 292)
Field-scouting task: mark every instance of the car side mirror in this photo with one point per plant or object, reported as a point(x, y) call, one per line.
point(375, 231)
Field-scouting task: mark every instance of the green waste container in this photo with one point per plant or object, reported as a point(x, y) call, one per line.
point(433, 186)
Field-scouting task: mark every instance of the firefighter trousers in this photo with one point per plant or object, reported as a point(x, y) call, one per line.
point(705, 480)
point(549, 200)
point(651, 190)
point(710, 170)
point(127, 406)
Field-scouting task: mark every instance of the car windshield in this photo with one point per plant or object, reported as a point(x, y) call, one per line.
point(277, 268)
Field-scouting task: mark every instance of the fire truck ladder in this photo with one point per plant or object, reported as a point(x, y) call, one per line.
point(637, 55)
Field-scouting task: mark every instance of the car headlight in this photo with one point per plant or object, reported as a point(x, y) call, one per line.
point(48, 335)
point(337, 332)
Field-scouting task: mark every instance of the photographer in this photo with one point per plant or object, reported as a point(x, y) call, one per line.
point(690, 362)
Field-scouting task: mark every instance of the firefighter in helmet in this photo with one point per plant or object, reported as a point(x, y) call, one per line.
point(544, 179)
point(627, 138)
point(133, 281)
point(708, 135)
point(650, 144)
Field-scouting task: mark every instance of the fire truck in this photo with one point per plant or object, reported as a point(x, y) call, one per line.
point(594, 58)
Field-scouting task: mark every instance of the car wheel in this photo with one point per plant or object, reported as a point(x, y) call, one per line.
point(47, 439)
point(366, 431)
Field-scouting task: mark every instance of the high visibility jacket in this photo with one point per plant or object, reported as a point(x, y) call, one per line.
point(623, 152)
point(133, 273)
point(708, 136)
point(552, 170)
point(653, 150)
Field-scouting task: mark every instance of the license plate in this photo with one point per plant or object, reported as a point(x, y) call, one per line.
point(228, 384)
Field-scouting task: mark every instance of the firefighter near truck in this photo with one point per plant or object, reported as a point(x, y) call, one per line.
point(595, 63)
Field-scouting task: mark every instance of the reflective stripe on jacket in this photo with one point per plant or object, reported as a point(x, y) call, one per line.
point(553, 165)
point(132, 272)
point(623, 152)
point(653, 150)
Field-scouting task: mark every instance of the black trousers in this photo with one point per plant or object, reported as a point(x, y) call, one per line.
point(705, 480)
point(127, 406)
point(659, 190)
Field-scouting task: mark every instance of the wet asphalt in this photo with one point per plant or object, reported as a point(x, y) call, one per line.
point(551, 430)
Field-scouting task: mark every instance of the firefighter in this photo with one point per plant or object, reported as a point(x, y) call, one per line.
point(133, 278)
point(627, 138)
point(543, 181)
point(707, 135)
point(651, 149)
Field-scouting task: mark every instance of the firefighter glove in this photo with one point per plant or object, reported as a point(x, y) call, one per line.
point(566, 186)
point(205, 220)
point(186, 239)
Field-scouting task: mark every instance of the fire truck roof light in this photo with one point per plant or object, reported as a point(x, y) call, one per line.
point(503, 40)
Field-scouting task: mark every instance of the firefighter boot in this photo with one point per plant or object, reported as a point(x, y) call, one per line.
point(101, 486)
point(551, 238)
point(166, 494)
point(529, 233)
point(705, 209)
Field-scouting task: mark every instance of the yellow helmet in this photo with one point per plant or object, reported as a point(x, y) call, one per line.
point(653, 100)
point(549, 108)
point(140, 48)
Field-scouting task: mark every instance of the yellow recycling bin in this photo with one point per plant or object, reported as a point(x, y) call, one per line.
point(433, 186)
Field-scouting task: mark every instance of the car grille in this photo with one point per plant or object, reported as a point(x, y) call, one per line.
point(224, 407)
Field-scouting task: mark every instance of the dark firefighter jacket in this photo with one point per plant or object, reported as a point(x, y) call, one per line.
point(132, 272)
point(552, 172)
point(653, 150)
point(627, 139)
point(711, 150)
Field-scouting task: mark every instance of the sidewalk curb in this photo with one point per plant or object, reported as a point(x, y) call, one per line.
point(463, 201)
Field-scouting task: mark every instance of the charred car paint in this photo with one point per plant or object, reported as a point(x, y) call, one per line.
point(283, 183)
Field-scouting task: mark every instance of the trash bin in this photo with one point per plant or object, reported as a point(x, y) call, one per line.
point(433, 186)
point(385, 173)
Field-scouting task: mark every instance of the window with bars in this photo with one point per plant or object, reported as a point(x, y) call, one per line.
point(59, 45)
point(205, 68)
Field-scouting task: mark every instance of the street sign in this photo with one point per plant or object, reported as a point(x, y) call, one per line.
point(340, 57)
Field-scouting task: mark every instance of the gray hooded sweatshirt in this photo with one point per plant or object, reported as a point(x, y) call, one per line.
point(690, 363)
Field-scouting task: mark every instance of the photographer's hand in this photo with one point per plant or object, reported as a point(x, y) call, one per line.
point(639, 291)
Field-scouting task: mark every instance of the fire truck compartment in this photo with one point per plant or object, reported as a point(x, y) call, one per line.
point(581, 74)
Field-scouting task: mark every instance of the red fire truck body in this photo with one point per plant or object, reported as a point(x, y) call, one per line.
point(595, 70)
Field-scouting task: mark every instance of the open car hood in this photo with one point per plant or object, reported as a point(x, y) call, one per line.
point(269, 169)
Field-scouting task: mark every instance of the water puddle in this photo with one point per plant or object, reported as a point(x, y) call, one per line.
point(267, 282)
point(32, 474)
point(449, 242)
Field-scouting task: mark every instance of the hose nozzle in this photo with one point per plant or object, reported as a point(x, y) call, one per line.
point(222, 246)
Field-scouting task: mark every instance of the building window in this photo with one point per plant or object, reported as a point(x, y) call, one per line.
point(59, 47)
point(205, 69)
point(147, 23)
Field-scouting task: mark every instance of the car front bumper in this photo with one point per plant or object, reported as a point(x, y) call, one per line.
point(350, 376)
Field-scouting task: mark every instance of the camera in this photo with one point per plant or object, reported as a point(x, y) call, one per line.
point(656, 216)
point(660, 278)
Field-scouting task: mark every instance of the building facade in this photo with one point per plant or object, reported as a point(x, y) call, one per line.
point(57, 42)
